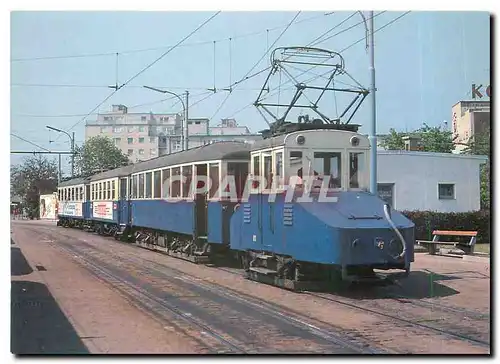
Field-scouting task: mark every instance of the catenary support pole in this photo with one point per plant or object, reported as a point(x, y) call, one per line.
point(73, 155)
point(186, 123)
point(373, 125)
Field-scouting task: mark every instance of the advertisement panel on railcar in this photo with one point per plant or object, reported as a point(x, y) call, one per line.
point(103, 210)
point(71, 209)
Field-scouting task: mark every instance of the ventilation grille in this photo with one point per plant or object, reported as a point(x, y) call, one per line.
point(247, 213)
point(288, 215)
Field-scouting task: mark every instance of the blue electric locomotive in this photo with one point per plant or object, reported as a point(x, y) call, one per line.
point(311, 219)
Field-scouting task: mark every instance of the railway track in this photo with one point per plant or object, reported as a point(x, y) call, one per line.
point(454, 332)
point(158, 270)
point(472, 314)
point(214, 309)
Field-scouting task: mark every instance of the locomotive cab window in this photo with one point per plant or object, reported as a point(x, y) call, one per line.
point(328, 165)
point(356, 169)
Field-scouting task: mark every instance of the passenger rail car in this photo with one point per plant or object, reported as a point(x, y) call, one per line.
point(73, 205)
point(176, 204)
point(292, 209)
point(109, 205)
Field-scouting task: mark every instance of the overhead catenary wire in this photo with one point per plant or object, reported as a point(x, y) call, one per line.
point(146, 68)
point(194, 44)
point(27, 141)
point(255, 65)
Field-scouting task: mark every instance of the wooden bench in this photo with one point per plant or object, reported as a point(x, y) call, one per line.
point(468, 248)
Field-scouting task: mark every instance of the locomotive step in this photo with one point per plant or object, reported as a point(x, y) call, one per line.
point(264, 256)
point(263, 275)
point(265, 271)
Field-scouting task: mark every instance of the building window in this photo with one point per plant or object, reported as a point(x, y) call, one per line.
point(446, 191)
point(152, 139)
point(141, 151)
point(130, 129)
point(117, 129)
point(130, 140)
point(141, 140)
point(130, 151)
point(118, 141)
point(152, 152)
point(143, 118)
point(103, 129)
point(386, 192)
point(158, 129)
point(108, 118)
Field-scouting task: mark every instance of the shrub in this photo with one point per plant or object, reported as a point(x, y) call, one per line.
point(427, 221)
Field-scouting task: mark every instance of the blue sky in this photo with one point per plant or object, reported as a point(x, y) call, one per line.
point(425, 62)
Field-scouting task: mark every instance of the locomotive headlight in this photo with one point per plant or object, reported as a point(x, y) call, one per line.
point(395, 247)
point(354, 141)
point(300, 139)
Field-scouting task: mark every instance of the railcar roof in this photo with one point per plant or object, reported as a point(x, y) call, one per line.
point(117, 172)
point(215, 151)
point(73, 182)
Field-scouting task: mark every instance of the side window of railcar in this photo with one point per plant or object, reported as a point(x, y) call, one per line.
point(279, 170)
point(157, 184)
point(214, 179)
point(256, 170)
point(141, 185)
point(113, 189)
point(81, 193)
point(166, 183)
point(295, 170)
point(100, 190)
point(87, 193)
point(187, 172)
point(149, 184)
point(329, 164)
point(176, 182)
point(268, 172)
point(133, 192)
point(356, 168)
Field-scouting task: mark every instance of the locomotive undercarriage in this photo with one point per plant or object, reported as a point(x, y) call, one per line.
point(180, 246)
point(288, 273)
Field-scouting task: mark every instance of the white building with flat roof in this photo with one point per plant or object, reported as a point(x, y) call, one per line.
point(442, 182)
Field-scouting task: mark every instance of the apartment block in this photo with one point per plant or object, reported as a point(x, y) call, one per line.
point(143, 136)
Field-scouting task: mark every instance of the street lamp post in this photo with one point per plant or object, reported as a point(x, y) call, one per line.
point(185, 106)
point(72, 139)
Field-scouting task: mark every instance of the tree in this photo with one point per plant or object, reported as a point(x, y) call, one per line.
point(432, 139)
point(98, 154)
point(480, 144)
point(34, 177)
point(394, 141)
point(435, 139)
